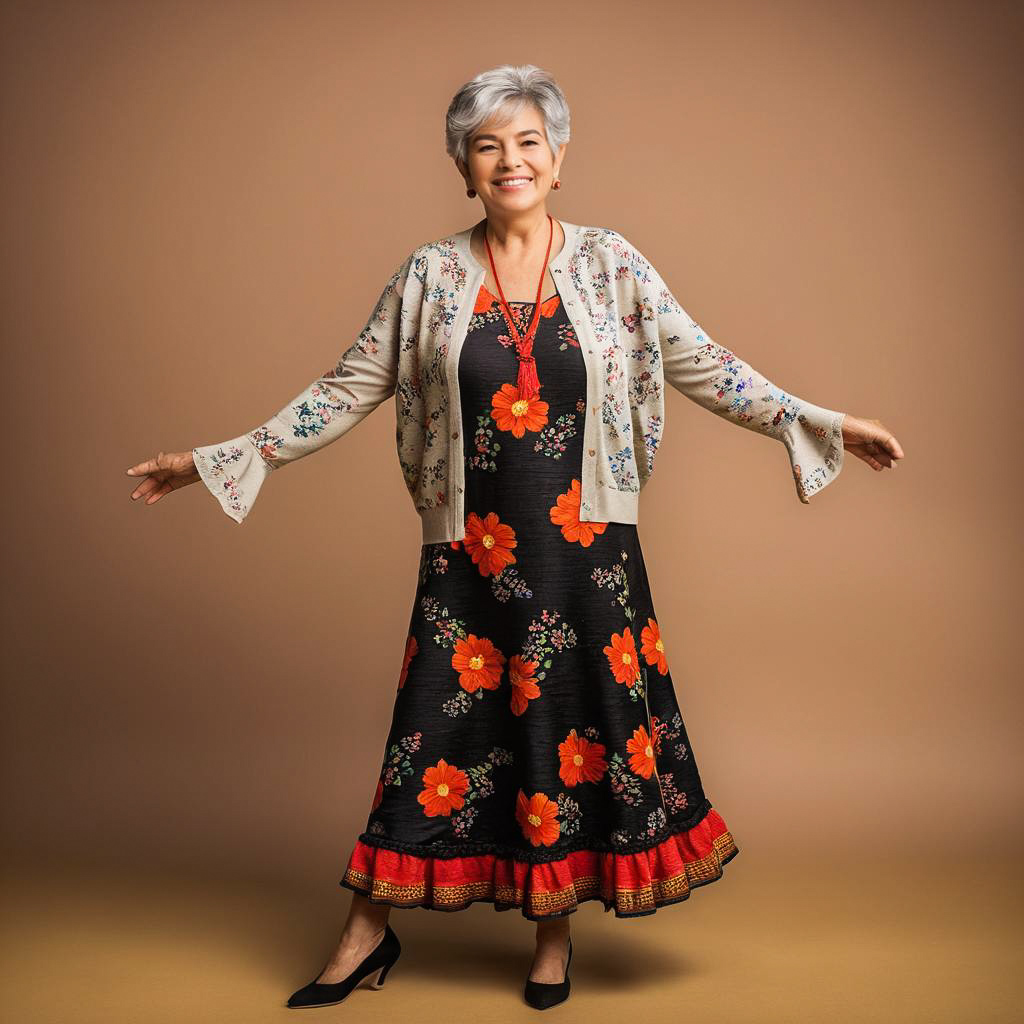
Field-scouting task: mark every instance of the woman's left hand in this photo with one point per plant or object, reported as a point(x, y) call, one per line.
point(871, 441)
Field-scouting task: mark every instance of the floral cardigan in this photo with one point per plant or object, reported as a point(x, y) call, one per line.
point(633, 334)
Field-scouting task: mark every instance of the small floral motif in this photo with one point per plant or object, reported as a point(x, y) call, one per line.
point(652, 438)
point(433, 561)
point(448, 629)
point(484, 451)
point(460, 703)
point(545, 636)
point(669, 732)
point(622, 464)
point(625, 784)
point(616, 578)
point(553, 440)
point(508, 584)
point(675, 799)
point(567, 337)
point(481, 786)
point(570, 816)
point(314, 414)
point(219, 460)
point(397, 764)
point(656, 821)
point(267, 442)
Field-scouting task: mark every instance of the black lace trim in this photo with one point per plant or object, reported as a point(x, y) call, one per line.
point(448, 850)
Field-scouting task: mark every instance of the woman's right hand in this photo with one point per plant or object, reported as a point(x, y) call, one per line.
point(165, 473)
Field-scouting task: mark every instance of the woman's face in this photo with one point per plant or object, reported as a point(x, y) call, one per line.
point(520, 149)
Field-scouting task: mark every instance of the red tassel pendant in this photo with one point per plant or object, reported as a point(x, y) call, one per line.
point(528, 382)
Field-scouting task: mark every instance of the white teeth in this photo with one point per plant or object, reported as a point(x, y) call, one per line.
point(514, 181)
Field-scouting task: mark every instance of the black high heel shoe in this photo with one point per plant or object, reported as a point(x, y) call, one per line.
point(375, 966)
point(541, 994)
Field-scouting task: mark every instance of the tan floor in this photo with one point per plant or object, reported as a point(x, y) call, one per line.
point(769, 942)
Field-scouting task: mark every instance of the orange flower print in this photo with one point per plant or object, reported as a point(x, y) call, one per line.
point(641, 746)
point(652, 646)
point(581, 760)
point(478, 662)
point(489, 542)
point(524, 686)
point(378, 795)
point(566, 514)
point(622, 658)
point(510, 412)
point(485, 299)
point(538, 818)
point(444, 786)
point(411, 649)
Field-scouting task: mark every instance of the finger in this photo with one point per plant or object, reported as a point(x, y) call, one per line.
point(147, 486)
point(149, 466)
point(893, 446)
point(888, 442)
point(163, 489)
point(865, 455)
point(881, 455)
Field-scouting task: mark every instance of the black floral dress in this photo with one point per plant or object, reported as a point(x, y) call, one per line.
point(537, 757)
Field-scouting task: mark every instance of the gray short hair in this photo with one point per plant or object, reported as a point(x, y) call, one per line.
point(509, 86)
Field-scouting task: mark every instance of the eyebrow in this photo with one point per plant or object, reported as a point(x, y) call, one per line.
point(525, 131)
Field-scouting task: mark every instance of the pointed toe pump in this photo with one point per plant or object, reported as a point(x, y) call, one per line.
point(373, 969)
point(541, 995)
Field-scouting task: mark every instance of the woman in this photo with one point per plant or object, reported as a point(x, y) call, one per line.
point(537, 757)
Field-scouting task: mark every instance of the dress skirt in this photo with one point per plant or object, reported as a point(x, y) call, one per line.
point(537, 757)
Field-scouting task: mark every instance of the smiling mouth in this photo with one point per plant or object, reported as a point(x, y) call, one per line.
point(513, 183)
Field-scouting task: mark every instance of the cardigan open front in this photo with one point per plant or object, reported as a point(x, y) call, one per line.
point(634, 336)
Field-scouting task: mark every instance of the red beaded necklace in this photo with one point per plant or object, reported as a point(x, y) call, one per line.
point(528, 382)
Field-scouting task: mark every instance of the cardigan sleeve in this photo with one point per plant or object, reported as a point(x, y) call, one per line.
point(364, 376)
point(717, 379)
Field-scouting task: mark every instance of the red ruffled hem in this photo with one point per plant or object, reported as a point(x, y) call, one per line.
point(631, 884)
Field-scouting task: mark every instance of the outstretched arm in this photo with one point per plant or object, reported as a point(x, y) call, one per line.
point(717, 379)
point(364, 376)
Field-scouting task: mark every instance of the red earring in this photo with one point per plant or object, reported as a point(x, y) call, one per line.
point(556, 184)
point(471, 192)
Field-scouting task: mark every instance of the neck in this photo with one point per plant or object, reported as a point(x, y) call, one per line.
point(518, 231)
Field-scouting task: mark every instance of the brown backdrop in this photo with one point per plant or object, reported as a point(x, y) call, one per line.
point(833, 190)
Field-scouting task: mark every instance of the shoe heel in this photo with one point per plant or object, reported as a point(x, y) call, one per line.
point(378, 982)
